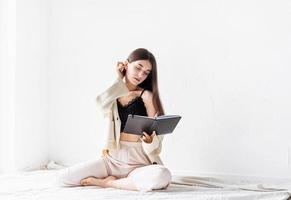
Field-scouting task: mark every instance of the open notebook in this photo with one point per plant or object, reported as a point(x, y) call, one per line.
point(163, 124)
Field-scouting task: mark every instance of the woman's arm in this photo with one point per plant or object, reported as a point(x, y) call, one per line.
point(117, 89)
point(107, 98)
point(155, 145)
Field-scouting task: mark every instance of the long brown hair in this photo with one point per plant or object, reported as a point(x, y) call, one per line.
point(151, 82)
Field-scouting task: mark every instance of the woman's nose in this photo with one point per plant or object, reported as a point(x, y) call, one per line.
point(140, 74)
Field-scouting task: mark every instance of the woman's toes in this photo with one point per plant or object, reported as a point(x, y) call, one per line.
point(83, 181)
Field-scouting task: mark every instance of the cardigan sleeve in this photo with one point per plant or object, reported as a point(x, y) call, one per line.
point(106, 99)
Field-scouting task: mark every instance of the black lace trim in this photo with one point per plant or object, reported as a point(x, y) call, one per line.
point(130, 102)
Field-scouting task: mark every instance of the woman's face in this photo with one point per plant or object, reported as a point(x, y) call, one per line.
point(138, 71)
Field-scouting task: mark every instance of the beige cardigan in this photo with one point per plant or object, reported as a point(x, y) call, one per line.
point(106, 101)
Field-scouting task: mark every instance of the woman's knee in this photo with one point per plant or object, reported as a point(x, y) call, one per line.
point(152, 177)
point(161, 177)
point(71, 176)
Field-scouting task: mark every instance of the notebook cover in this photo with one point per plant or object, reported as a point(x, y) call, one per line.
point(136, 124)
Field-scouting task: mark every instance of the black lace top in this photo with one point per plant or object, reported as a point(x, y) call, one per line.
point(135, 106)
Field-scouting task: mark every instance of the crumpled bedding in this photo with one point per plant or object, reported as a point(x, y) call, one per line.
point(41, 184)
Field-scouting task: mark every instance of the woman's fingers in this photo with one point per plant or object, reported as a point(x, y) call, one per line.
point(153, 134)
point(120, 68)
point(120, 64)
point(148, 138)
point(146, 135)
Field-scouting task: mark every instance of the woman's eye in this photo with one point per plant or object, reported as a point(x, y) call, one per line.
point(137, 68)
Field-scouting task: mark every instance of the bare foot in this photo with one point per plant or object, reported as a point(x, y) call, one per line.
point(105, 182)
point(88, 181)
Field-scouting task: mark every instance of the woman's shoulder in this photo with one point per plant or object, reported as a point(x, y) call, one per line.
point(148, 102)
point(147, 96)
point(147, 93)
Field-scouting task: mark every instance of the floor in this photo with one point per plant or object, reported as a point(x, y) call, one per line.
point(40, 184)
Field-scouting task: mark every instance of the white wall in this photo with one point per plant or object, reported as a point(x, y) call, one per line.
point(7, 67)
point(223, 65)
point(24, 84)
point(31, 96)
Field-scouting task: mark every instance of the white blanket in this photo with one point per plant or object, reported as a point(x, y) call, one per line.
point(40, 184)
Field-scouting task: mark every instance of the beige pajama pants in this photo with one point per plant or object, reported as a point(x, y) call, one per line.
point(129, 161)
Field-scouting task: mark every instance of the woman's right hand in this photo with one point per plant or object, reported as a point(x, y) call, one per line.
point(120, 69)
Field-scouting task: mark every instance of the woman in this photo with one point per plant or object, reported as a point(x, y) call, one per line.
point(129, 161)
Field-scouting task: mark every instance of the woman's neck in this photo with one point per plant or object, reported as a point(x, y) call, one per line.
point(130, 86)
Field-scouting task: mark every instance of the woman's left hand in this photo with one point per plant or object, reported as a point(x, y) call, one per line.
point(148, 138)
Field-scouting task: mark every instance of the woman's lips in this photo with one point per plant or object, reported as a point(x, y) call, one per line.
point(136, 79)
